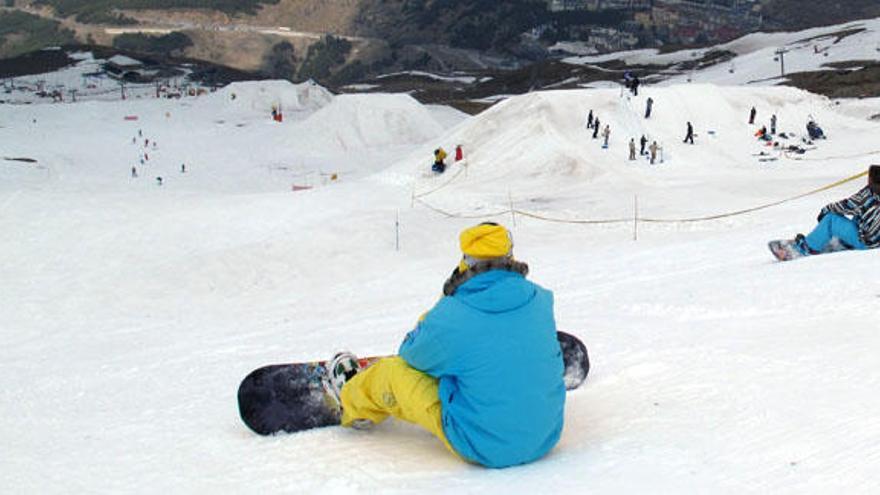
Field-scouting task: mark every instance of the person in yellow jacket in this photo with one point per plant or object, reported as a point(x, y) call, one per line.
point(439, 165)
point(482, 371)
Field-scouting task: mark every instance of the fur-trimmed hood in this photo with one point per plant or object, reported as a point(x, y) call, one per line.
point(459, 277)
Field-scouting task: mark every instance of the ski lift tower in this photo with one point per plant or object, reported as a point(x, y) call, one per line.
point(780, 53)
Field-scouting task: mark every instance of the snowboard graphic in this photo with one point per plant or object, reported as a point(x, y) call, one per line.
point(784, 250)
point(291, 397)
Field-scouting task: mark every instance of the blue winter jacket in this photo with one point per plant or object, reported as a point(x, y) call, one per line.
point(493, 347)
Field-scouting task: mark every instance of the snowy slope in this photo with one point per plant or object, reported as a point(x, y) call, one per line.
point(756, 61)
point(131, 311)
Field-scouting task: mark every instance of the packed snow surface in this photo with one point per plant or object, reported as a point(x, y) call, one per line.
point(130, 311)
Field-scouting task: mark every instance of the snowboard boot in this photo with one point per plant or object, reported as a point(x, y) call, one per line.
point(800, 243)
point(342, 368)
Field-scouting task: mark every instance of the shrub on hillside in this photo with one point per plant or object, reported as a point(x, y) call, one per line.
point(280, 62)
point(77, 7)
point(173, 43)
point(98, 15)
point(31, 33)
point(323, 57)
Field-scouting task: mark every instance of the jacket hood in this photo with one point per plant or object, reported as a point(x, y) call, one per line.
point(496, 291)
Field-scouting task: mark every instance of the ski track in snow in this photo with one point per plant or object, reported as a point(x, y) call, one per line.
point(131, 311)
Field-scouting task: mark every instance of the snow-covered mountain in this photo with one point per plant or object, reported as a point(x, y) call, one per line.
point(131, 310)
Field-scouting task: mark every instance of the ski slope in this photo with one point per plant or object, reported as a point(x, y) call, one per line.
point(756, 60)
point(130, 311)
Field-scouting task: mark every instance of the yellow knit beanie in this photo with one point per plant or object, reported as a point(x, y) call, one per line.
point(485, 241)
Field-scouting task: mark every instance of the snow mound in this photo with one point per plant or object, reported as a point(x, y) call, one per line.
point(371, 121)
point(297, 101)
point(532, 144)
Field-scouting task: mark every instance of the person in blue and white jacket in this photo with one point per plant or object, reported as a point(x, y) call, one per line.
point(854, 221)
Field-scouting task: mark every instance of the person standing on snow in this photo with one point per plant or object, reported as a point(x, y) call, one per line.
point(596, 127)
point(648, 107)
point(590, 120)
point(634, 86)
point(134, 172)
point(632, 149)
point(606, 133)
point(453, 378)
point(643, 142)
point(752, 115)
point(689, 137)
point(653, 149)
point(459, 154)
point(773, 125)
point(439, 165)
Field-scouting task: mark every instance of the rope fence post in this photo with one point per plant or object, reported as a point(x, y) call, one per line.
point(512, 212)
point(635, 217)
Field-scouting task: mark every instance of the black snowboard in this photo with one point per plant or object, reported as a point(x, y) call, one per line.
point(291, 397)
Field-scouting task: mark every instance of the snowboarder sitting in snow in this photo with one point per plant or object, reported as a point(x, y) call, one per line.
point(814, 130)
point(439, 165)
point(482, 370)
point(854, 221)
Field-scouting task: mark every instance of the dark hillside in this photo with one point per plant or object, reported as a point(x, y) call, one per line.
point(479, 24)
point(799, 14)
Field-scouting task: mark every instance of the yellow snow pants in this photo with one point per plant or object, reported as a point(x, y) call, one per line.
point(391, 387)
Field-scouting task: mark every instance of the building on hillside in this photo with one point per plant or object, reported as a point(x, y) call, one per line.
point(611, 40)
point(595, 5)
point(127, 69)
point(700, 21)
point(124, 68)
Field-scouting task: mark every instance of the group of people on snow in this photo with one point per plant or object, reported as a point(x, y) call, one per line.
point(651, 152)
point(776, 139)
point(439, 165)
point(145, 157)
point(631, 81)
